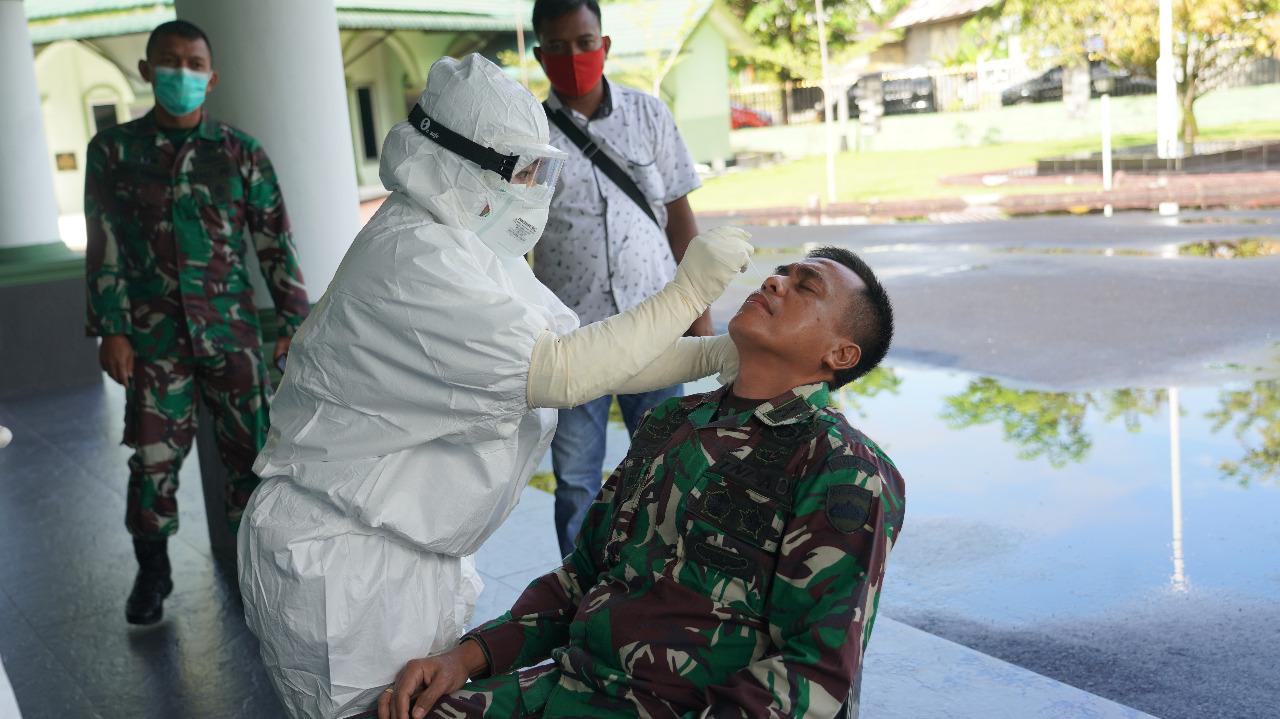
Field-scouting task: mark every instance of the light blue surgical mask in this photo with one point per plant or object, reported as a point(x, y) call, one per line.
point(180, 90)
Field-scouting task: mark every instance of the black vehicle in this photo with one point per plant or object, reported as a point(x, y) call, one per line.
point(904, 96)
point(1048, 86)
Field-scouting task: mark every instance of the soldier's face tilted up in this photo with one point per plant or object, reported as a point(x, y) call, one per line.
point(798, 315)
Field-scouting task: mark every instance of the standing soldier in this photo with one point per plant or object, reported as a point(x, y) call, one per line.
point(167, 200)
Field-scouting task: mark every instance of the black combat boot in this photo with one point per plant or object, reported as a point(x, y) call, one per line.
point(152, 585)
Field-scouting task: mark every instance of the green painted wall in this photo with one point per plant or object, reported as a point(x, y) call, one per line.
point(701, 107)
point(428, 47)
point(1023, 123)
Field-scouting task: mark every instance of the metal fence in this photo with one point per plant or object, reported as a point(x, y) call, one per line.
point(789, 103)
point(919, 90)
point(967, 87)
point(1257, 71)
point(981, 86)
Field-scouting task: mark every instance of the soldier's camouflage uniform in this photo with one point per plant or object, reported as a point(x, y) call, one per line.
point(730, 567)
point(167, 266)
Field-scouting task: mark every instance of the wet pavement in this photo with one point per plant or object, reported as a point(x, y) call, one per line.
point(1041, 530)
point(1027, 406)
point(988, 298)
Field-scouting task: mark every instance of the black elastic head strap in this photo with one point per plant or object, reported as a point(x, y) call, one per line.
point(486, 157)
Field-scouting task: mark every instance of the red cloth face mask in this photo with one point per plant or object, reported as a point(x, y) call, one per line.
point(574, 75)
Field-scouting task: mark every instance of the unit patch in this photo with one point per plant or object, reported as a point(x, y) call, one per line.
point(848, 507)
point(854, 462)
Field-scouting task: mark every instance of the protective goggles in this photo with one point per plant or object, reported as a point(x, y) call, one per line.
point(530, 167)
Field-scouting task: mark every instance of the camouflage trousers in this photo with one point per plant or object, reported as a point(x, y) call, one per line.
point(160, 423)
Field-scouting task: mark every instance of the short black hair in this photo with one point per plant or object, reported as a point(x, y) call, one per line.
point(547, 9)
point(180, 28)
point(870, 315)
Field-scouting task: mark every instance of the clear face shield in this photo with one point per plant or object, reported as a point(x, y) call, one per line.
point(527, 170)
point(534, 176)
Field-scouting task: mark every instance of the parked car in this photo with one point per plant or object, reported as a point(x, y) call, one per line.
point(902, 96)
point(909, 95)
point(1048, 86)
point(740, 116)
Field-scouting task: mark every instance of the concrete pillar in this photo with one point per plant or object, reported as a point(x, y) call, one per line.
point(42, 342)
point(28, 208)
point(281, 80)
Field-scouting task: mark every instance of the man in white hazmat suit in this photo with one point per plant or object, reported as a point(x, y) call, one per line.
point(412, 412)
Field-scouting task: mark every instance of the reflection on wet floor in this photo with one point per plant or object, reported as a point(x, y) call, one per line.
point(1233, 249)
point(1117, 540)
point(1026, 505)
point(1217, 249)
point(1224, 220)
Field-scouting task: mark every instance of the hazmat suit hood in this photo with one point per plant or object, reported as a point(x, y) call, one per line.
point(474, 98)
point(401, 435)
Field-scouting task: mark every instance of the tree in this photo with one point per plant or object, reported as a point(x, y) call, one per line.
point(1043, 424)
point(663, 47)
point(1254, 416)
point(985, 36)
point(786, 31)
point(1211, 37)
point(1131, 405)
point(880, 379)
point(1048, 424)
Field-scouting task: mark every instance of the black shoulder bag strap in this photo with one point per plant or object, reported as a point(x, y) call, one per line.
point(600, 160)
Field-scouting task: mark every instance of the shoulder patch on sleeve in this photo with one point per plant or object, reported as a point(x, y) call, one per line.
point(853, 461)
point(848, 506)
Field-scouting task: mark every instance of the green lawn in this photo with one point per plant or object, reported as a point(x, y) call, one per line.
point(865, 176)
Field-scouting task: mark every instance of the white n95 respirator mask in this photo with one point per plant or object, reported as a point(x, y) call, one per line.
point(520, 181)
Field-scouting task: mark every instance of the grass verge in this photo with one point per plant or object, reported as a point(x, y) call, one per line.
point(910, 174)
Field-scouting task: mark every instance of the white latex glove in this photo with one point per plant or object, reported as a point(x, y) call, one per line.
point(5, 436)
point(596, 360)
point(688, 359)
point(710, 262)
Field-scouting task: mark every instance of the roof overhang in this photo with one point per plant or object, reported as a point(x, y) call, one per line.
point(923, 12)
point(52, 20)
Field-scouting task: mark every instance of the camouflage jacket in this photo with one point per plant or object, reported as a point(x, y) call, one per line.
point(729, 568)
point(167, 256)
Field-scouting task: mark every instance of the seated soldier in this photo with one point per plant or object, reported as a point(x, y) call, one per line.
point(732, 564)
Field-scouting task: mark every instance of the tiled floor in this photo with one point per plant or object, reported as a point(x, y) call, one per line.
point(68, 566)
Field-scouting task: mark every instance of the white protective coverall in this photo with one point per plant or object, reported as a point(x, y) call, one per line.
point(404, 429)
